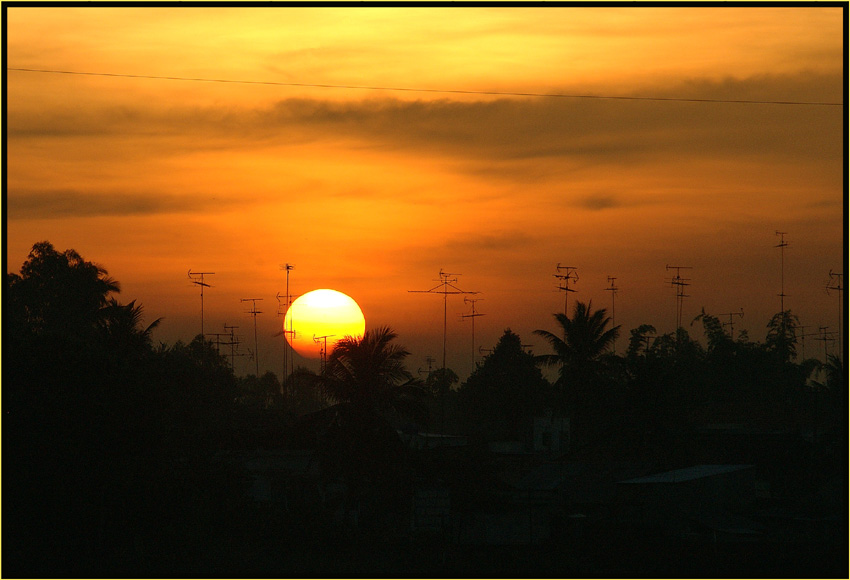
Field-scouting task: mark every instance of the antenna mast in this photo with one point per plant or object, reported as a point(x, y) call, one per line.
point(472, 316)
point(254, 312)
point(324, 353)
point(782, 245)
point(287, 349)
point(198, 278)
point(570, 276)
point(234, 344)
point(731, 322)
point(447, 288)
point(218, 342)
point(838, 288)
point(680, 284)
point(613, 290)
point(430, 360)
point(825, 336)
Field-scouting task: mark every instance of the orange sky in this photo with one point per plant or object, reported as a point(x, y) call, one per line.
point(372, 192)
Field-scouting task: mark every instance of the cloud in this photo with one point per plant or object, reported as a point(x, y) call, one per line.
point(599, 202)
point(62, 204)
point(492, 131)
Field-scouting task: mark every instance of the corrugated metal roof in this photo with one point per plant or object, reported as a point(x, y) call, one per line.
point(687, 474)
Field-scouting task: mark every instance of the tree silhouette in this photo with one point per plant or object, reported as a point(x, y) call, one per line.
point(504, 392)
point(368, 373)
point(59, 292)
point(579, 348)
point(440, 381)
point(121, 327)
point(782, 335)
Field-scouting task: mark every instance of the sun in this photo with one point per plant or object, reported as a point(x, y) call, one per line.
point(321, 315)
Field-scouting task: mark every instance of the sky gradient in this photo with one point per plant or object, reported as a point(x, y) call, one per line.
point(372, 191)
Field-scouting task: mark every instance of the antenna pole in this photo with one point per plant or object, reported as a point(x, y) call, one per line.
point(198, 278)
point(447, 288)
point(680, 284)
point(825, 336)
point(782, 245)
point(731, 322)
point(217, 336)
point(233, 344)
point(287, 351)
point(613, 290)
point(254, 312)
point(838, 288)
point(324, 353)
point(472, 317)
point(570, 276)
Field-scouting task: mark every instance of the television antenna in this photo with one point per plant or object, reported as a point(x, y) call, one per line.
point(838, 288)
point(613, 290)
point(645, 338)
point(782, 245)
point(680, 284)
point(217, 336)
point(430, 360)
point(825, 336)
point(323, 354)
point(198, 278)
point(234, 344)
point(803, 336)
point(287, 349)
point(482, 350)
point(570, 276)
point(254, 312)
point(467, 300)
point(731, 322)
point(445, 287)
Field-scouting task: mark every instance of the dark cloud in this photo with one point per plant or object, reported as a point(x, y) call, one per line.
point(599, 202)
point(499, 130)
point(58, 204)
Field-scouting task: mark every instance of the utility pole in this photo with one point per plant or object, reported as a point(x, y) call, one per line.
point(570, 276)
point(731, 322)
point(198, 278)
point(613, 290)
point(254, 312)
point(679, 283)
point(472, 317)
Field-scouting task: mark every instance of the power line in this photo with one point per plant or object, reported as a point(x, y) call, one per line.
point(420, 90)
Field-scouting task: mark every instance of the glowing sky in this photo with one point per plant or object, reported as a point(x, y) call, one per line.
point(371, 192)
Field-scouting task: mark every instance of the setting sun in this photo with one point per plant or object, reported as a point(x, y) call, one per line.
point(319, 315)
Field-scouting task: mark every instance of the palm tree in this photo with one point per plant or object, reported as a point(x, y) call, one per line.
point(585, 340)
point(367, 374)
point(121, 326)
point(581, 388)
point(366, 378)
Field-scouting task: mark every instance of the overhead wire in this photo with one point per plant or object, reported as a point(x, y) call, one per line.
point(423, 90)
